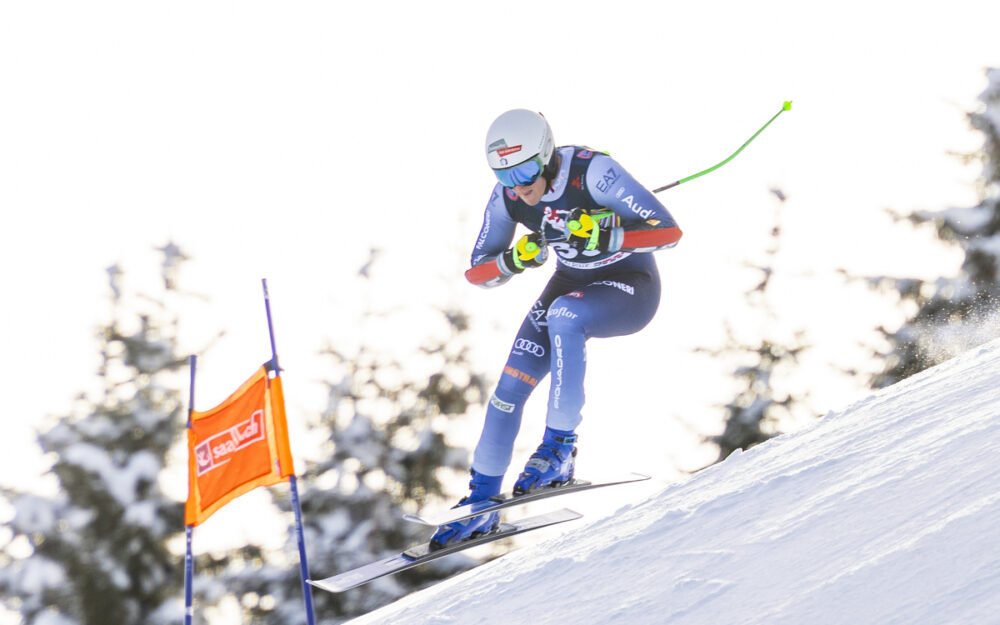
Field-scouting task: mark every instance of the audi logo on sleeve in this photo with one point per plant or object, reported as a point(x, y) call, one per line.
point(524, 345)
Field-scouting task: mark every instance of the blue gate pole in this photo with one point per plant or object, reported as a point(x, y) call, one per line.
point(303, 563)
point(188, 581)
point(189, 529)
point(293, 483)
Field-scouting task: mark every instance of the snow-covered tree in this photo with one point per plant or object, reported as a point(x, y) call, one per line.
point(753, 415)
point(95, 552)
point(955, 313)
point(386, 455)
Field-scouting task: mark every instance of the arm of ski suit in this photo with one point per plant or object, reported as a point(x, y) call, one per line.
point(647, 225)
point(495, 237)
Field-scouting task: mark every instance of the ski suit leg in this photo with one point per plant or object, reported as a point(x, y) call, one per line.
point(527, 365)
point(616, 305)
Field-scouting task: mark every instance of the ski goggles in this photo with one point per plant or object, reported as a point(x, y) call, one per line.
point(521, 174)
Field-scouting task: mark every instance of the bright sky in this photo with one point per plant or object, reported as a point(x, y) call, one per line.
point(283, 140)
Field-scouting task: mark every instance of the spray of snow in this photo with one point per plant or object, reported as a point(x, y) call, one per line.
point(943, 342)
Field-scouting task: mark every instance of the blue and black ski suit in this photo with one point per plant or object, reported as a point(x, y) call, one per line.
point(592, 294)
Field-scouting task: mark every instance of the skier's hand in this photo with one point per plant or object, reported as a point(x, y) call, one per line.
point(584, 232)
point(527, 252)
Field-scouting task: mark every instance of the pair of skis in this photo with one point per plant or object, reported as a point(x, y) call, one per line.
point(421, 554)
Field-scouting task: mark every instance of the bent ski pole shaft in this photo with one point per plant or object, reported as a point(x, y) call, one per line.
point(787, 106)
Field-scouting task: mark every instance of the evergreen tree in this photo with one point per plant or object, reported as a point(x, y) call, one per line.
point(753, 415)
point(97, 549)
point(386, 455)
point(955, 313)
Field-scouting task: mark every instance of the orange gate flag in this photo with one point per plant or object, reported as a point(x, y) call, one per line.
point(237, 446)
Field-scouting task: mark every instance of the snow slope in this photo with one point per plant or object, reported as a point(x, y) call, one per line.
point(885, 512)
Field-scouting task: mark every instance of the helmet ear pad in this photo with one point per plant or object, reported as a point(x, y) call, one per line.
point(551, 168)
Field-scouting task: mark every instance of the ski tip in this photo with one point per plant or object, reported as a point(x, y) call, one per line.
point(323, 586)
point(342, 582)
point(787, 106)
point(565, 514)
point(412, 518)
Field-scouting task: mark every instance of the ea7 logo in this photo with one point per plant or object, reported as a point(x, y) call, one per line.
point(524, 345)
point(537, 315)
point(608, 179)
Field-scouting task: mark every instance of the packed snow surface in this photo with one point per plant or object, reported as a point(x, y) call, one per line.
point(885, 512)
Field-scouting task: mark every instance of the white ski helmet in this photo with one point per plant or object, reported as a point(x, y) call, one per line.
point(516, 137)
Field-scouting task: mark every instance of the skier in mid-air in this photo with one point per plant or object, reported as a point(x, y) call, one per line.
point(600, 223)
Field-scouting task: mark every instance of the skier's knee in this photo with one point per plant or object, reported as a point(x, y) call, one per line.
point(515, 386)
point(563, 312)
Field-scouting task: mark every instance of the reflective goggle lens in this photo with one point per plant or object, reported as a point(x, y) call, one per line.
point(522, 174)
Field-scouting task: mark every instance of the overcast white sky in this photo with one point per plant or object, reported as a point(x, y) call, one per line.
point(283, 140)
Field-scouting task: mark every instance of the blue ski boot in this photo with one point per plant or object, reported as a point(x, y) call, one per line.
point(481, 487)
point(551, 465)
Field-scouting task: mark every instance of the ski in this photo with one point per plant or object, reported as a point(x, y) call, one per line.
point(415, 556)
point(508, 500)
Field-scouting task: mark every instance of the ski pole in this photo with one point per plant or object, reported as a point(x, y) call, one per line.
point(787, 106)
